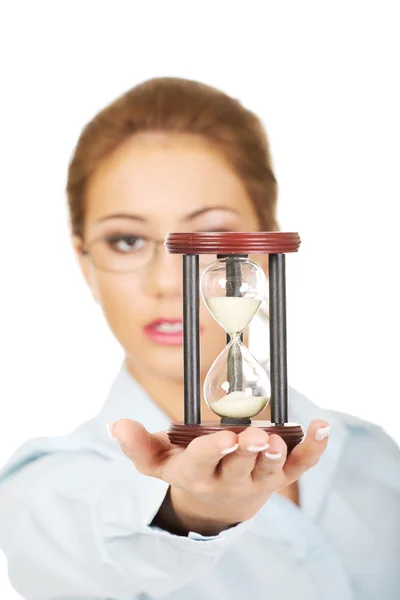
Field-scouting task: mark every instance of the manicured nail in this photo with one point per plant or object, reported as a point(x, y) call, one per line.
point(109, 429)
point(322, 433)
point(229, 450)
point(257, 448)
point(275, 456)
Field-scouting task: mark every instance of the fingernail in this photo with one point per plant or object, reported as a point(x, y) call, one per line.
point(275, 456)
point(229, 450)
point(257, 448)
point(110, 425)
point(322, 433)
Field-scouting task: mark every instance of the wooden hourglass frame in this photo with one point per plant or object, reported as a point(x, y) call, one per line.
point(224, 244)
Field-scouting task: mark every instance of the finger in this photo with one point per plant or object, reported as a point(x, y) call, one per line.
point(204, 453)
point(308, 453)
point(144, 449)
point(269, 463)
point(238, 467)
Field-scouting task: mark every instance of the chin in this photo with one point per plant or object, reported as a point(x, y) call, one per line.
point(166, 363)
point(169, 369)
point(163, 362)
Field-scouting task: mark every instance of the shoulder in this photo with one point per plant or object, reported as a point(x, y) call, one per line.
point(361, 448)
point(358, 431)
point(368, 451)
point(369, 434)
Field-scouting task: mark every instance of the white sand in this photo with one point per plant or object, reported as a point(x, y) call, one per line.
point(233, 313)
point(238, 405)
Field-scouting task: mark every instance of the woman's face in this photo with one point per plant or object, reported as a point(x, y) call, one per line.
point(151, 185)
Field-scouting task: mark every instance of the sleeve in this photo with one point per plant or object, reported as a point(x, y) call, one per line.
point(78, 525)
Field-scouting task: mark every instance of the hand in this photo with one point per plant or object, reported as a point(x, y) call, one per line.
point(222, 478)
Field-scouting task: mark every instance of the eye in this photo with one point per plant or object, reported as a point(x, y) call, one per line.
point(126, 243)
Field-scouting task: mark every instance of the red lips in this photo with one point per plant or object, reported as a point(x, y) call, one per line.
point(166, 332)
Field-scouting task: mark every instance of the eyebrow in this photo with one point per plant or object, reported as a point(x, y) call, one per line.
point(189, 217)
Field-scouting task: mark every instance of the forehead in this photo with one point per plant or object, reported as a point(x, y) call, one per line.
point(156, 174)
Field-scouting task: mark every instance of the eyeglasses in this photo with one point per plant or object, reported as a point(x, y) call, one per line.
point(122, 253)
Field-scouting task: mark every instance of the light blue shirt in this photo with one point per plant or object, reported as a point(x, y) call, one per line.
point(75, 518)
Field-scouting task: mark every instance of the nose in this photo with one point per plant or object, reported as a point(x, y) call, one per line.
point(164, 275)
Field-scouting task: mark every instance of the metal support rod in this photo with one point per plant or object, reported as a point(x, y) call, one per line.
point(234, 280)
point(191, 339)
point(278, 341)
point(228, 288)
point(233, 289)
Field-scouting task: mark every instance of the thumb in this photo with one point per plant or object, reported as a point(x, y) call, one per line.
point(307, 454)
point(146, 450)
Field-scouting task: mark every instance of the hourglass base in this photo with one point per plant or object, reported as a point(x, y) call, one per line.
point(181, 434)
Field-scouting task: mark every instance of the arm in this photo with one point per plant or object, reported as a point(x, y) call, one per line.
point(77, 524)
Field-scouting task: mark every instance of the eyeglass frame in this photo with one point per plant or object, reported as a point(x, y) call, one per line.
point(156, 243)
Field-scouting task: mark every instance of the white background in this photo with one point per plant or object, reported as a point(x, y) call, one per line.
point(322, 76)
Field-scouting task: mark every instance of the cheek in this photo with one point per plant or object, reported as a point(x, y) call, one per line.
point(126, 310)
point(121, 304)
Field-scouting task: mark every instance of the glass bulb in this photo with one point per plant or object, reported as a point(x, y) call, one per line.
point(233, 301)
point(237, 386)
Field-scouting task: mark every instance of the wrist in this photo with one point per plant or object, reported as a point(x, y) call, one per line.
point(181, 513)
point(221, 515)
point(193, 515)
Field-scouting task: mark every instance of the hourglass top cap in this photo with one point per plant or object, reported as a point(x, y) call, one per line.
point(232, 242)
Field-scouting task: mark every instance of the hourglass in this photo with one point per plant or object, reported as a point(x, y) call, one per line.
point(237, 387)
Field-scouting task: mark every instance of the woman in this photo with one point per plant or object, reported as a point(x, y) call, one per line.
point(228, 517)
